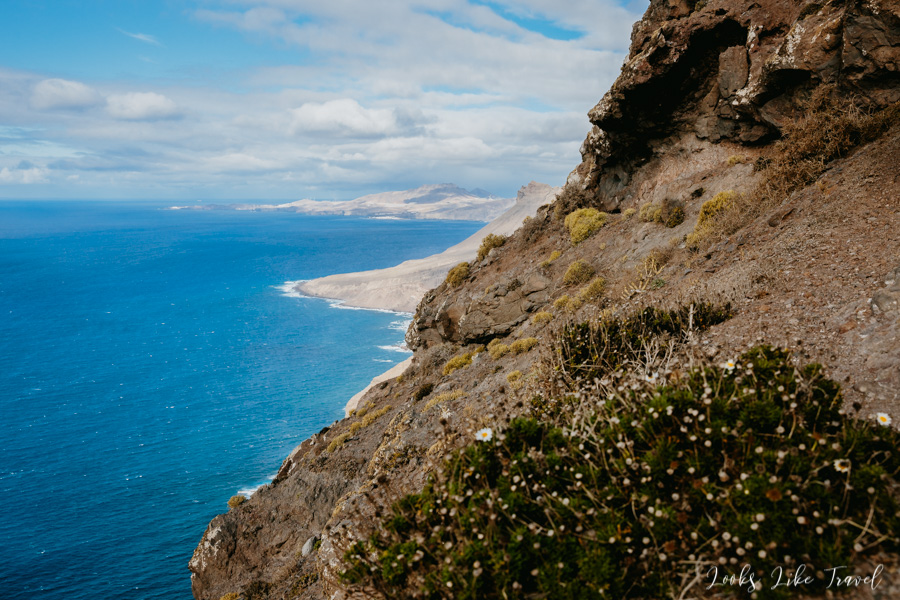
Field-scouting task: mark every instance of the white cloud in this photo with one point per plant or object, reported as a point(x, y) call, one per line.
point(141, 106)
point(343, 117)
point(61, 93)
point(24, 176)
point(141, 37)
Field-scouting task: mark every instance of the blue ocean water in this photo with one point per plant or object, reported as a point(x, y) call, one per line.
point(150, 368)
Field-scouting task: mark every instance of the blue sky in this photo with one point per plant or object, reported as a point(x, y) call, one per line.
point(289, 99)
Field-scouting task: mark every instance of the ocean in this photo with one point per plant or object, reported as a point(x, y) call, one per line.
point(152, 366)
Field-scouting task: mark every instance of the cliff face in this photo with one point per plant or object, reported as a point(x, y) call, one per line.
point(705, 92)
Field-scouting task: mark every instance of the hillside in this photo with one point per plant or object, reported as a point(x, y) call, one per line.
point(440, 201)
point(610, 374)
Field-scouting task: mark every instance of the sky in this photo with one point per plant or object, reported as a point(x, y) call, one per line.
point(286, 99)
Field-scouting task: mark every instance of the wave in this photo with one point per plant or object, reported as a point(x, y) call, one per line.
point(250, 490)
point(401, 347)
point(401, 325)
point(289, 290)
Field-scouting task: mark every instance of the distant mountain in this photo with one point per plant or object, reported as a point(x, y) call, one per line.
point(437, 201)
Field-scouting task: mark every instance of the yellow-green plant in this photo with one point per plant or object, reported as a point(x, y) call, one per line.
point(553, 256)
point(562, 303)
point(236, 501)
point(582, 223)
point(593, 291)
point(458, 274)
point(338, 441)
point(523, 345)
point(443, 397)
point(705, 222)
point(578, 272)
point(497, 349)
point(490, 242)
point(458, 362)
point(542, 317)
point(628, 213)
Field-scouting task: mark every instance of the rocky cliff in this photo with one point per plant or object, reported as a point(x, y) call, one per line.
point(746, 154)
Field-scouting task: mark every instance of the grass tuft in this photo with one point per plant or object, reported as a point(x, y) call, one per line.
point(578, 272)
point(490, 242)
point(582, 223)
point(458, 274)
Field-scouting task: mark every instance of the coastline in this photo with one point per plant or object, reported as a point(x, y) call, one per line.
point(401, 287)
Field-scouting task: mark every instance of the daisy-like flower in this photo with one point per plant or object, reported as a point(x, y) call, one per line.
point(484, 435)
point(729, 366)
point(842, 465)
point(651, 377)
point(883, 419)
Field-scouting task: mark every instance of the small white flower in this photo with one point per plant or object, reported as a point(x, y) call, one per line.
point(651, 377)
point(842, 465)
point(883, 419)
point(484, 435)
point(729, 366)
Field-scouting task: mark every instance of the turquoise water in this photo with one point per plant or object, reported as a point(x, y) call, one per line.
point(150, 368)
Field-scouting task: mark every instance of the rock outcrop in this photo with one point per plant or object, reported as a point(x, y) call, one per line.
point(707, 87)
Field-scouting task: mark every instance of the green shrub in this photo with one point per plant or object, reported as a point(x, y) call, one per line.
point(578, 272)
point(523, 345)
point(593, 291)
point(751, 463)
point(628, 213)
point(458, 274)
point(490, 242)
point(582, 223)
point(542, 318)
point(592, 350)
point(236, 500)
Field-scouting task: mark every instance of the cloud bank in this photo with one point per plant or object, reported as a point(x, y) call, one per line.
point(366, 97)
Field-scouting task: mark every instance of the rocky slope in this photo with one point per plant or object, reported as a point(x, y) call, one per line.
point(401, 287)
point(706, 91)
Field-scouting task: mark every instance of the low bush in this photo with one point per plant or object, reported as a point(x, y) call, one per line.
point(461, 361)
point(523, 345)
point(628, 213)
point(236, 500)
point(590, 350)
point(562, 303)
point(496, 348)
point(542, 318)
point(706, 220)
point(593, 291)
point(490, 242)
point(458, 274)
point(635, 494)
point(578, 272)
point(582, 223)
